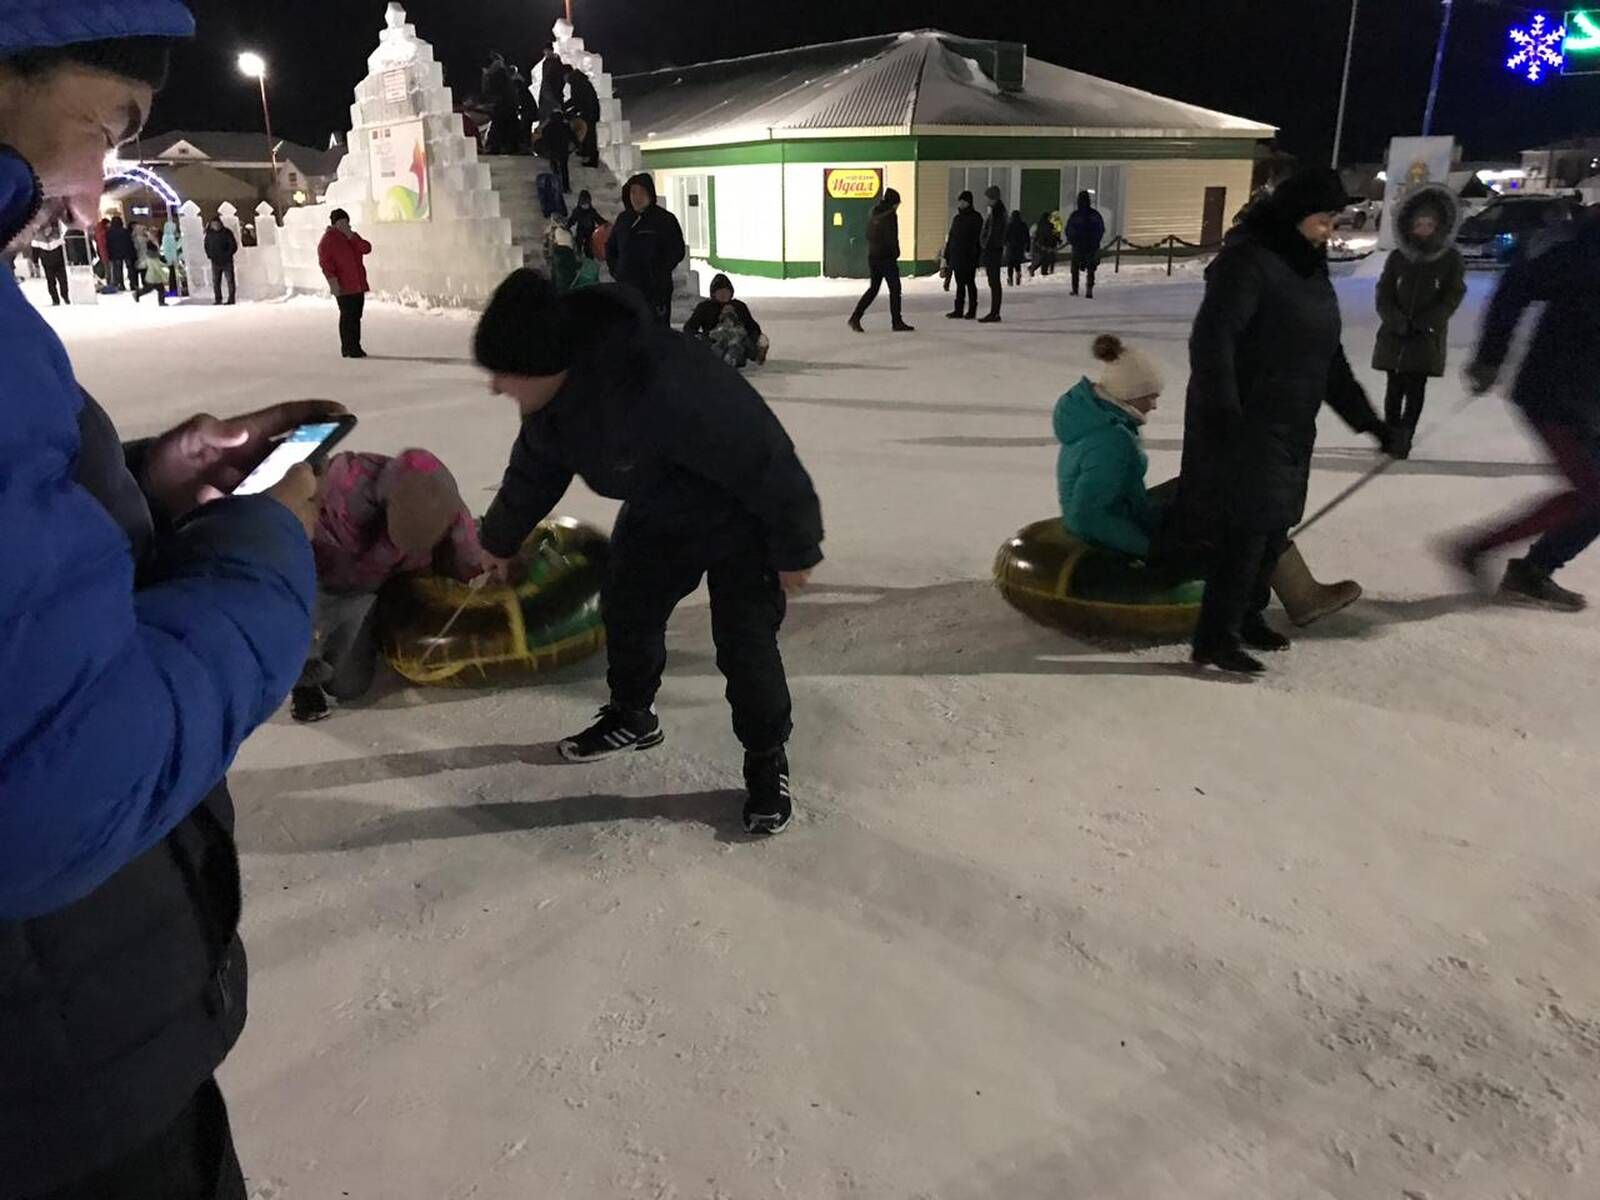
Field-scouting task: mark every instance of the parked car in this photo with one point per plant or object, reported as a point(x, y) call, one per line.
point(1493, 237)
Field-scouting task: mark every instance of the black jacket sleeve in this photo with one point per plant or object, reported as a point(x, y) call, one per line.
point(1526, 281)
point(1233, 295)
point(703, 319)
point(716, 426)
point(534, 483)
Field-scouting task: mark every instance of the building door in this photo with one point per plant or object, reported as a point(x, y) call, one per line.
point(1216, 212)
point(848, 194)
point(690, 203)
point(1041, 192)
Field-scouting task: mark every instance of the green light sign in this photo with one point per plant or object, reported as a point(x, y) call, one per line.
point(1582, 47)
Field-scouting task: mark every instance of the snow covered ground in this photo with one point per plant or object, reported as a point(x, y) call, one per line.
point(1060, 919)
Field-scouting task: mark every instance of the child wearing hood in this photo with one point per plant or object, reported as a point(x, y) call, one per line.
point(381, 517)
point(1100, 477)
point(726, 323)
point(1018, 240)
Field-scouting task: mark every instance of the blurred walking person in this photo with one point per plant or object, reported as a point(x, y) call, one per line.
point(883, 261)
point(50, 252)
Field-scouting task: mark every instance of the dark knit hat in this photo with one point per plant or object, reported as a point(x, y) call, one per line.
point(967, 196)
point(338, 215)
point(992, 192)
point(890, 196)
point(526, 329)
point(1313, 190)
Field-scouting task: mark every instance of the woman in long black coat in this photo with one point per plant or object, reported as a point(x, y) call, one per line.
point(1265, 355)
point(1423, 284)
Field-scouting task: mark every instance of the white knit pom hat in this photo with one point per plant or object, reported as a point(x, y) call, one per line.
point(1129, 375)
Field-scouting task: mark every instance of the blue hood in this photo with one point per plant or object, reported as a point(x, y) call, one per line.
point(1081, 413)
point(49, 24)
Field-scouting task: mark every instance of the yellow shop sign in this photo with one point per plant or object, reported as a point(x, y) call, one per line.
point(854, 183)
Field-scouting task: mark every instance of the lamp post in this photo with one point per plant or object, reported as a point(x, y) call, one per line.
point(1344, 87)
point(1438, 69)
point(253, 66)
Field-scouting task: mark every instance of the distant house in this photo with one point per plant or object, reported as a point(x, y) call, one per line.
point(212, 167)
point(772, 162)
point(1563, 164)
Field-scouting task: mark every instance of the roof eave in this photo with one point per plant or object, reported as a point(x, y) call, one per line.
point(1251, 132)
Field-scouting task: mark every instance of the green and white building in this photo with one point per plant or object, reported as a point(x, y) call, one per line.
point(772, 162)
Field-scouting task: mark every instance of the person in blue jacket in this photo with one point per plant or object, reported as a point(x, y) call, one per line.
point(1100, 477)
point(143, 635)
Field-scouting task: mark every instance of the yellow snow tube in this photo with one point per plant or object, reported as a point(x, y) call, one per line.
point(1062, 581)
point(551, 619)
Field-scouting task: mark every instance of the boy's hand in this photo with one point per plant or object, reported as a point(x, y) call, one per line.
point(497, 572)
point(794, 582)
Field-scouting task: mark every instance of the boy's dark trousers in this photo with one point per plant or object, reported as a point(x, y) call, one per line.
point(651, 572)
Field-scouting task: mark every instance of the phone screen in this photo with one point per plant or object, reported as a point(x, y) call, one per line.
point(297, 447)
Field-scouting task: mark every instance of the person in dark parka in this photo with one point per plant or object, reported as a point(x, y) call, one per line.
point(1018, 239)
point(646, 246)
point(992, 243)
point(500, 94)
point(145, 635)
point(1265, 355)
point(221, 247)
point(1046, 242)
point(583, 222)
point(124, 255)
point(552, 85)
point(712, 489)
point(883, 260)
point(962, 251)
point(1085, 233)
point(1423, 284)
point(1558, 393)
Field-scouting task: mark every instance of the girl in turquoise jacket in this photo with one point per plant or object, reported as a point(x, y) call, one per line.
point(1100, 470)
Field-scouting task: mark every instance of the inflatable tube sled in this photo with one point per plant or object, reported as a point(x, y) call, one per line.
point(550, 620)
point(1062, 581)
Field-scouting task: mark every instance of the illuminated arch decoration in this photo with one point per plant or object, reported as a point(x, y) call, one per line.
point(146, 178)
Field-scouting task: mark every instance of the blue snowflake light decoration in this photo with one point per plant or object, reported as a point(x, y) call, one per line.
point(1538, 48)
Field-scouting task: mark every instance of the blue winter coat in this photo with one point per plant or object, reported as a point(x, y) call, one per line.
point(1100, 473)
point(123, 708)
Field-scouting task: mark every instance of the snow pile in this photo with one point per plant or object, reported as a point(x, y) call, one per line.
point(462, 249)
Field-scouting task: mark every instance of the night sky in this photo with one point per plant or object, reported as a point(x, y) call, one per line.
point(1274, 60)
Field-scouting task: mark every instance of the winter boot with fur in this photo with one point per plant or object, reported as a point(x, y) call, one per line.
point(1306, 600)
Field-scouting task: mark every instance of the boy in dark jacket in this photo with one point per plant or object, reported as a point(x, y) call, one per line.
point(713, 489)
point(993, 244)
point(583, 104)
point(646, 245)
point(1558, 391)
point(961, 252)
point(1018, 238)
point(727, 324)
point(883, 260)
point(1085, 231)
point(585, 219)
point(221, 246)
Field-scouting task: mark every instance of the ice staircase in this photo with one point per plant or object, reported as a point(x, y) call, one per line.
point(516, 179)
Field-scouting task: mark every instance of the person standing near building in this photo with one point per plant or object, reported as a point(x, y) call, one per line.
point(172, 255)
point(645, 246)
point(583, 104)
point(993, 247)
point(124, 261)
point(150, 269)
point(145, 636)
point(712, 489)
point(1265, 355)
point(1423, 284)
point(1558, 393)
point(50, 252)
point(1018, 238)
point(1085, 234)
point(962, 251)
point(221, 246)
point(342, 255)
point(883, 261)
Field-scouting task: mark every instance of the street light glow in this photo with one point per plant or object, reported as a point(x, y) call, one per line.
point(253, 65)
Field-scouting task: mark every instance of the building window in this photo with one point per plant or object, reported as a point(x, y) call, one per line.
point(1105, 188)
point(978, 179)
point(690, 202)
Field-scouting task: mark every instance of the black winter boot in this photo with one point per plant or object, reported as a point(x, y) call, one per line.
point(1258, 635)
point(1231, 659)
point(769, 808)
point(1525, 583)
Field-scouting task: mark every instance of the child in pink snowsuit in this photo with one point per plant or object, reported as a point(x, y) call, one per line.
point(381, 517)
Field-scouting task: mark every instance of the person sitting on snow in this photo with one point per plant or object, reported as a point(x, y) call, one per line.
point(381, 517)
point(726, 323)
point(1100, 476)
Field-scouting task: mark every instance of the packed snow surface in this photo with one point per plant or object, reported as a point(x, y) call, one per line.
point(1059, 918)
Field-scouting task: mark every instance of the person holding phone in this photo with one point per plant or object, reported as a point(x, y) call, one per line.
point(147, 626)
point(342, 255)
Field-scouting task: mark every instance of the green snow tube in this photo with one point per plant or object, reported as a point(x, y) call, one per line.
point(1062, 581)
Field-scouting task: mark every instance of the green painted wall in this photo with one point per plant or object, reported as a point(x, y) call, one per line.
point(975, 149)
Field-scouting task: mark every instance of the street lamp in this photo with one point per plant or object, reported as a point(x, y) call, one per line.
point(1344, 86)
point(253, 66)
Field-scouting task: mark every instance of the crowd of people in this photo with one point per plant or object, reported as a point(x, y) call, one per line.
point(161, 620)
point(561, 119)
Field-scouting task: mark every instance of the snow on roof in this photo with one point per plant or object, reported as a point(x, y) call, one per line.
point(906, 82)
point(236, 148)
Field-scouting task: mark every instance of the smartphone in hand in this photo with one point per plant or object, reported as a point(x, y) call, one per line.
point(311, 444)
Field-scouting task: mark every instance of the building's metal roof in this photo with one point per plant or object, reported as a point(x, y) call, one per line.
point(234, 149)
point(908, 82)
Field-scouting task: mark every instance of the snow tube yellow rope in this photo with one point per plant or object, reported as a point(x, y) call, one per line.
point(550, 620)
point(1062, 581)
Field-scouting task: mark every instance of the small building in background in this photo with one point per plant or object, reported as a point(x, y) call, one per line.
point(1560, 165)
point(212, 167)
point(773, 162)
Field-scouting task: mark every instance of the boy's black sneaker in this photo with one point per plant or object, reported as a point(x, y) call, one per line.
point(1232, 659)
point(770, 807)
point(1258, 635)
point(309, 705)
point(617, 731)
point(1527, 584)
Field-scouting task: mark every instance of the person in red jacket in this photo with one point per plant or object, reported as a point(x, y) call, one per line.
point(341, 254)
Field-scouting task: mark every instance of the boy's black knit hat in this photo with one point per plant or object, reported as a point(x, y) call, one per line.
point(526, 329)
